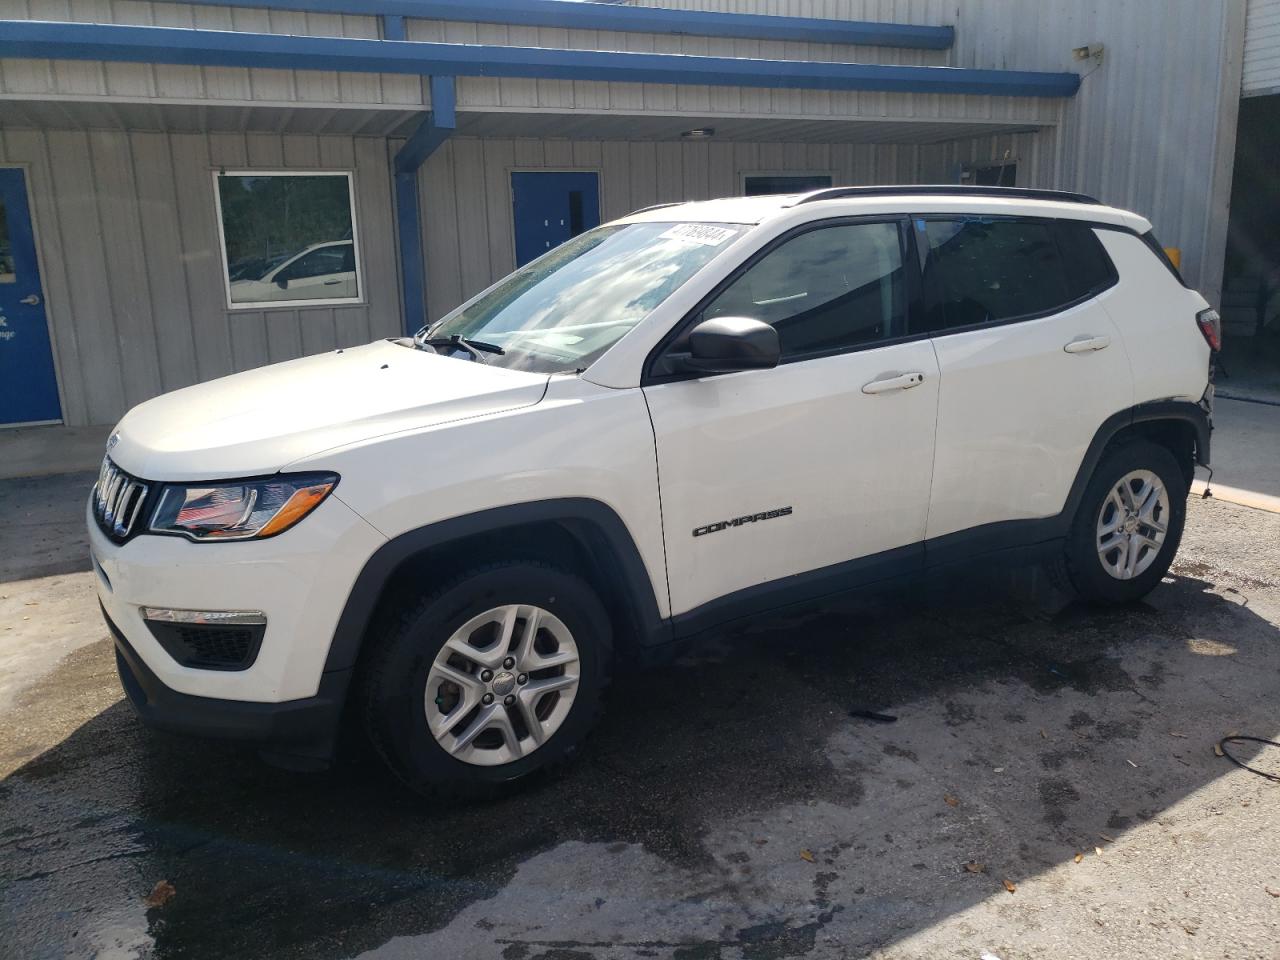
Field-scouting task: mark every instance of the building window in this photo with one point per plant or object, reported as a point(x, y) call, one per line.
point(288, 238)
point(761, 184)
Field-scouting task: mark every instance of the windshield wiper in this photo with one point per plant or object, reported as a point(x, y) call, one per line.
point(476, 348)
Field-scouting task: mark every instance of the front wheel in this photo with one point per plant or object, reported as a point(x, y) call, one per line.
point(492, 677)
point(1128, 525)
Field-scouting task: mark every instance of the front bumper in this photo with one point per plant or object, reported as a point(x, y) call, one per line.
point(298, 733)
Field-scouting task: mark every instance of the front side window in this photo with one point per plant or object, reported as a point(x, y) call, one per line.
point(825, 290)
point(288, 237)
point(980, 270)
point(563, 310)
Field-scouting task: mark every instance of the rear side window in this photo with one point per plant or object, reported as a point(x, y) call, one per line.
point(980, 270)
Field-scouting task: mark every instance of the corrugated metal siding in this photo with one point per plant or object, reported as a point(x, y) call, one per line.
point(468, 230)
point(132, 271)
point(1262, 49)
point(73, 78)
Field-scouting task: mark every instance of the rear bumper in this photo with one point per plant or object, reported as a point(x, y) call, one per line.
point(298, 733)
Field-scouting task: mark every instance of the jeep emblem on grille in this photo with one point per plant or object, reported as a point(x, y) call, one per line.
point(112, 441)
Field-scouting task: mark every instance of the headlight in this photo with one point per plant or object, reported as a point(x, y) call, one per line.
point(239, 509)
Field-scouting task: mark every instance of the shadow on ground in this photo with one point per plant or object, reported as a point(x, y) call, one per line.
point(715, 768)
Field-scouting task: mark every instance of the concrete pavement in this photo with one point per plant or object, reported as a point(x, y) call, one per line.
point(729, 807)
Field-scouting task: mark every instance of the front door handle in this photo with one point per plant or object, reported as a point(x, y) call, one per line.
point(33, 300)
point(1086, 344)
point(899, 381)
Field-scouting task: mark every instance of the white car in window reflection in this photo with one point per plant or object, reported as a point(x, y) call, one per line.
point(322, 271)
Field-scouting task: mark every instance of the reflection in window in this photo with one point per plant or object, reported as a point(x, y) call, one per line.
point(984, 271)
point(288, 237)
point(825, 290)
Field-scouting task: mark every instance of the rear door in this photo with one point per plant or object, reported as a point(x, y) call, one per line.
point(778, 483)
point(1030, 363)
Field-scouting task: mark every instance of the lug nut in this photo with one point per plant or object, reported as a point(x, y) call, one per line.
point(509, 662)
point(523, 678)
point(509, 699)
point(486, 675)
point(487, 699)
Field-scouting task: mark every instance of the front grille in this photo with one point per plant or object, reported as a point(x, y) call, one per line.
point(209, 647)
point(117, 500)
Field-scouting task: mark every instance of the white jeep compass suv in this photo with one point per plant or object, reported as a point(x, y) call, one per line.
point(690, 415)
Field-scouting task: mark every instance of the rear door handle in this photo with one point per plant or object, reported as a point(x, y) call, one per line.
point(1087, 344)
point(899, 381)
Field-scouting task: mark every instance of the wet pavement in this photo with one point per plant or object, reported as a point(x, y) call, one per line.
point(728, 807)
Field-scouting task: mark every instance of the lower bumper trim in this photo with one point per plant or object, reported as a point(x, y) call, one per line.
point(296, 732)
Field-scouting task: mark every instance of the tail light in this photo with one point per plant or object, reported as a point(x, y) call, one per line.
point(1210, 325)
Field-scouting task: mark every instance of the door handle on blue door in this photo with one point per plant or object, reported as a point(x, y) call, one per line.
point(1087, 344)
point(31, 301)
point(894, 382)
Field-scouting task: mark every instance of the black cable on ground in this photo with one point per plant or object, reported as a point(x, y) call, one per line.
point(1222, 746)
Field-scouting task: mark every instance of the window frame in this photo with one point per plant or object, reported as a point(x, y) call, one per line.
point(930, 293)
point(745, 175)
point(913, 291)
point(302, 303)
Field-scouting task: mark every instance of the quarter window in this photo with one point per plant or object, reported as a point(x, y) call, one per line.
point(825, 290)
point(288, 238)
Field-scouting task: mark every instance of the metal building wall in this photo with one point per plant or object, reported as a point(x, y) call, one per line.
point(1153, 126)
point(180, 84)
point(132, 272)
point(468, 230)
point(72, 80)
point(1262, 49)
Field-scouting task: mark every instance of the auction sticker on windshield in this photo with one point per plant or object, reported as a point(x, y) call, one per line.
point(702, 233)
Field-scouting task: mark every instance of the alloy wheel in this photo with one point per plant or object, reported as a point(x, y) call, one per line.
point(1132, 524)
point(502, 684)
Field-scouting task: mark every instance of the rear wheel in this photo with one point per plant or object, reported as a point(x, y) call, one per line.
point(489, 679)
point(1128, 525)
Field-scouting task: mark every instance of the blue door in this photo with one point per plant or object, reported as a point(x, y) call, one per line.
point(28, 386)
point(550, 208)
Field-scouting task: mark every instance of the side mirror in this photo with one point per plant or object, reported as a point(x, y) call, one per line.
point(282, 281)
point(728, 344)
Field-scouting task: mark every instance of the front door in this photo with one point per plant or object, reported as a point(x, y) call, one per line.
point(28, 385)
point(783, 484)
point(550, 208)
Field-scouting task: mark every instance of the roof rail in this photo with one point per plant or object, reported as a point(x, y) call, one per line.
point(658, 206)
point(945, 189)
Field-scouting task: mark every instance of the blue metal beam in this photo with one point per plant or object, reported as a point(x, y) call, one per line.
point(112, 42)
point(612, 16)
point(434, 130)
point(393, 28)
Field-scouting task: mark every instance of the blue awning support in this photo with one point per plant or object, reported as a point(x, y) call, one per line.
point(393, 28)
point(118, 43)
point(615, 16)
point(435, 129)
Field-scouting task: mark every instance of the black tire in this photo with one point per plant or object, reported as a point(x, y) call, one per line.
point(398, 662)
point(1081, 566)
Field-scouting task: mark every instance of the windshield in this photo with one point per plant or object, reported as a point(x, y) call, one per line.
point(563, 310)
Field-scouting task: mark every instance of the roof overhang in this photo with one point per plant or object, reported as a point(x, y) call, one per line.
point(584, 15)
point(168, 45)
point(153, 115)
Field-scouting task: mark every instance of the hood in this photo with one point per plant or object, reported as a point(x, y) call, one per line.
point(259, 421)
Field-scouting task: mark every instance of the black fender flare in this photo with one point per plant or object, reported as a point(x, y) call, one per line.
point(574, 513)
